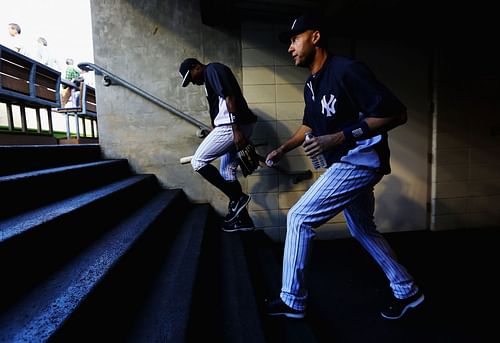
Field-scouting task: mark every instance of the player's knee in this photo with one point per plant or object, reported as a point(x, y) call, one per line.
point(361, 231)
point(197, 164)
point(294, 219)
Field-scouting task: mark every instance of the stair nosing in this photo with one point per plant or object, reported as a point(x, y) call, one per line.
point(18, 224)
point(41, 172)
point(123, 236)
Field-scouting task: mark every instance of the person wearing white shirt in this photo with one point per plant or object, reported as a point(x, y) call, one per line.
point(15, 41)
point(42, 54)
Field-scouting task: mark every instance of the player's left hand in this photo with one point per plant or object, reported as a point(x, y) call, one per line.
point(239, 139)
point(312, 147)
point(320, 144)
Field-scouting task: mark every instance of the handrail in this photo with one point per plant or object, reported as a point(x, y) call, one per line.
point(111, 79)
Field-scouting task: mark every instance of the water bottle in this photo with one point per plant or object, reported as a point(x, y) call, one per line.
point(318, 161)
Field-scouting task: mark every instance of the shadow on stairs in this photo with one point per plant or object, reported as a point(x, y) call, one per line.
point(90, 251)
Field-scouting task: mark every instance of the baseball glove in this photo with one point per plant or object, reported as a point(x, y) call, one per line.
point(248, 160)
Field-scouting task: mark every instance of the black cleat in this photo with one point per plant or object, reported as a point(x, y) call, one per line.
point(243, 222)
point(235, 207)
point(398, 307)
point(278, 308)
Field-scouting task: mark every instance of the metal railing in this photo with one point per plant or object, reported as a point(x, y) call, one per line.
point(111, 79)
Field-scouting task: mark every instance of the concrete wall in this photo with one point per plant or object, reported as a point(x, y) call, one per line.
point(466, 168)
point(144, 42)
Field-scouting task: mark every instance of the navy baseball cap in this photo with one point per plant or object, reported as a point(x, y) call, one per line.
point(185, 69)
point(307, 21)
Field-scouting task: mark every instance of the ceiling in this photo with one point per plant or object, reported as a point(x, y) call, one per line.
point(359, 17)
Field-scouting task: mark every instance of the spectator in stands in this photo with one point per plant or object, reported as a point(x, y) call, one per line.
point(70, 74)
point(42, 54)
point(75, 94)
point(15, 41)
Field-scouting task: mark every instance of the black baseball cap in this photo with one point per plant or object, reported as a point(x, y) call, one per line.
point(307, 21)
point(185, 69)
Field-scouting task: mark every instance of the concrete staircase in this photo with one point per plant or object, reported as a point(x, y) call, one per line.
point(90, 251)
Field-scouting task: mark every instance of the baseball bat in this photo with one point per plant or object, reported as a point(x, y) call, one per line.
point(185, 159)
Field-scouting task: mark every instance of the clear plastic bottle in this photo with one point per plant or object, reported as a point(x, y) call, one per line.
point(318, 161)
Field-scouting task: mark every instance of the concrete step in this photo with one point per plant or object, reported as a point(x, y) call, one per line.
point(265, 262)
point(25, 191)
point(53, 302)
point(92, 252)
point(225, 308)
point(165, 312)
point(241, 320)
point(22, 158)
point(36, 243)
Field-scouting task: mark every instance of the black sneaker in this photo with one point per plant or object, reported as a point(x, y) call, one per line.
point(235, 207)
point(397, 307)
point(278, 308)
point(241, 223)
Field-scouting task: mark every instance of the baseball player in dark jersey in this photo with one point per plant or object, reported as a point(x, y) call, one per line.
point(349, 111)
point(232, 123)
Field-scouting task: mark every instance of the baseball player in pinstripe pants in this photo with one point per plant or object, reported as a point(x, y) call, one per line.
point(232, 123)
point(349, 112)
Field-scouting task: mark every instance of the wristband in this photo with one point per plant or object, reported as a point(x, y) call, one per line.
point(356, 132)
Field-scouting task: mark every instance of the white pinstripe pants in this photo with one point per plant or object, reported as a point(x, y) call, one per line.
point(219, 143)
point(342, 187)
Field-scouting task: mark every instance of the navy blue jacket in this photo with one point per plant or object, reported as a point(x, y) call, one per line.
point(341, 94)
point(220, 82)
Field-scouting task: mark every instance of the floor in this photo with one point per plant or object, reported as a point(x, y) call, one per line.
point(457, 271)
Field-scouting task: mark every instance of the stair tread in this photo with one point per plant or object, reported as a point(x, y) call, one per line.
point(22, 158)
point(25, 221)
point(62, 169)
point(165, 313)
point(44, 309)
point(241, 320)
point(36, 188)
point(266, 274)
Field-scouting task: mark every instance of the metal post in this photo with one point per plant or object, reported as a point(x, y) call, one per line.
point(68, 132)
point(38, 121)
point(49, 117)
point(24, 125)
point(10, 117)
point(84, 127)
point(77, 126)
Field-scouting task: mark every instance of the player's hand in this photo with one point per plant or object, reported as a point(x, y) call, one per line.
point(239, 139)
point(320, 144)
point(274, 157)
point(312, 147)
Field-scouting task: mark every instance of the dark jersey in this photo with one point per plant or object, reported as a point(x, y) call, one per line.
point(341, 94)
point(220, 83)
